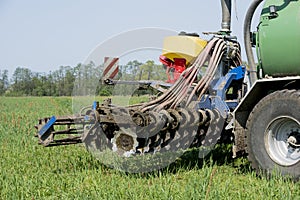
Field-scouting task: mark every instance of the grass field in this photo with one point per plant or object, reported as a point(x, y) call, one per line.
point(30, 171)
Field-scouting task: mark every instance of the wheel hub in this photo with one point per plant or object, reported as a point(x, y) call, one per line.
point(294, 140)
point(124, 142)
point(282, 140)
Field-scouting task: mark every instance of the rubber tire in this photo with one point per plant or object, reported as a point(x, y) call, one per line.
point(283, 102)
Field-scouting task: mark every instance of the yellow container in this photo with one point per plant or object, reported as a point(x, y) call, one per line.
point(182, 46)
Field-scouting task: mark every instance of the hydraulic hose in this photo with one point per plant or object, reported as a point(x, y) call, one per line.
point(247, 39)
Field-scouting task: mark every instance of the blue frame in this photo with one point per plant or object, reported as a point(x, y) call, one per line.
point(217, 101)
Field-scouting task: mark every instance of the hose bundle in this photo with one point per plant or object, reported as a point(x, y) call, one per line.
point(187, 86)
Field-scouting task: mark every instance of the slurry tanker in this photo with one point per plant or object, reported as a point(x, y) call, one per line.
point(210, 97)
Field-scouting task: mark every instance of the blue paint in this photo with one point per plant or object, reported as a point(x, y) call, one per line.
point(217, 97)
point(47, 126)
point(94, 105)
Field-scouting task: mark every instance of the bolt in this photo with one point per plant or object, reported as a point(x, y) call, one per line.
point(292, 140)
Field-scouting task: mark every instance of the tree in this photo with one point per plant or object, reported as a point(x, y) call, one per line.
point(22, 81)
point(83, 79)
point(3, 81)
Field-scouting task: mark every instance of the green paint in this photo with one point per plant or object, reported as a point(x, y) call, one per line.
point(278, 38)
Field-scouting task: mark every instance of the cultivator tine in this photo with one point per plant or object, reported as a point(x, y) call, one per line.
point(66, 141)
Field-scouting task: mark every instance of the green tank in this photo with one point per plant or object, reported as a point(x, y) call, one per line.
point(278, 38)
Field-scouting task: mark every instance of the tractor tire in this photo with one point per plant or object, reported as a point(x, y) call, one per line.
point(273, 134)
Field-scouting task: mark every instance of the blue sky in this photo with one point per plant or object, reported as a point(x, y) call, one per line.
point(43, 35)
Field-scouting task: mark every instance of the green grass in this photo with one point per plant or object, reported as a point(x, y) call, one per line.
point(30, 171)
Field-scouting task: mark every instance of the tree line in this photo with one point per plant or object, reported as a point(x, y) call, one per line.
point(83, 79)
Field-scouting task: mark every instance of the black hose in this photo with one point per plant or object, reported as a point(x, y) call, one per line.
point(247, 39)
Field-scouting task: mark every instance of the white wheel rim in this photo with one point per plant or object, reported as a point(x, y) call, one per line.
point(276, 140)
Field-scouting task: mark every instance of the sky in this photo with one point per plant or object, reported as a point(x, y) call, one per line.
point(43, 35)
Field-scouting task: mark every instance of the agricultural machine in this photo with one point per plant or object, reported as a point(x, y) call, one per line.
point(210, 97)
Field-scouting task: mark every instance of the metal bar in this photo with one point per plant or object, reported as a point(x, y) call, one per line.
point(68, 131)
point(226, 15)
